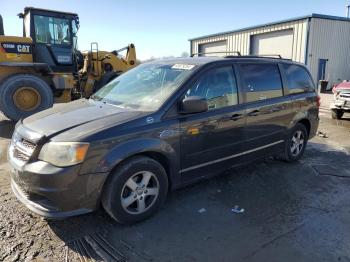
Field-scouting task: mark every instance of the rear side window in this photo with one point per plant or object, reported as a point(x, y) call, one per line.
point(218, 86)
point(261, 81)
point(298, 79)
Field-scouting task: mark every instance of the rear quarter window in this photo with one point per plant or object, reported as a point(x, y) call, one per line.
point(298, 79)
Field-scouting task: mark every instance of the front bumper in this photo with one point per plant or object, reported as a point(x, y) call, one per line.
point(341, 104)
point(55, 192)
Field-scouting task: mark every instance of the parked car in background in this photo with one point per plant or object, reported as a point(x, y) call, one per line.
point(341, 102)
point(158, 127)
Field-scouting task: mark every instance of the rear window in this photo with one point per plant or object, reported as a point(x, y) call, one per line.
point(298, 79)
point(261, 81)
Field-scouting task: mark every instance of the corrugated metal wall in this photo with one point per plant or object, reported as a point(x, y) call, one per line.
point(330, 39)
point(240, 41)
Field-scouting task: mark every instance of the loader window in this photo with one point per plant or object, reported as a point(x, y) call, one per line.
point(51, 30)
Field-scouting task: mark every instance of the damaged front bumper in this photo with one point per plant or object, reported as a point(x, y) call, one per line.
point(48, 190)
point(56, 192)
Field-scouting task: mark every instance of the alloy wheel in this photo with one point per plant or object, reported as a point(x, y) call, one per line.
point(140, 192)
point(297, 143)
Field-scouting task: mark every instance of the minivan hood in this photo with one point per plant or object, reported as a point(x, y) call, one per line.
point(63, 117)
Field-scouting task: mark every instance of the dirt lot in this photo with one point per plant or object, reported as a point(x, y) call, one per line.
point(293, 212)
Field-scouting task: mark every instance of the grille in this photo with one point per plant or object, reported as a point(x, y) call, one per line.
point(345, 95)
point(21, 156)
point(28, 144)
point(21, 148)
point(22, 191)
point(36, 198)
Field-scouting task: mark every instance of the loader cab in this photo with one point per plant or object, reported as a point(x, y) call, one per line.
point(54, 37)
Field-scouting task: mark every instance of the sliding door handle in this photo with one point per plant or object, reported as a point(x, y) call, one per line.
point(236, 117)
point(254, 113)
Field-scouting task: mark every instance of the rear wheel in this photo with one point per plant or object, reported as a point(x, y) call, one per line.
point(136, 190)
point(296, 143)
point(23, 95)
point(337, 114)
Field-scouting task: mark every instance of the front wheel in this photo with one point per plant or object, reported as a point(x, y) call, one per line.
point(337, 114)
point(295, 144)
point(136, 190)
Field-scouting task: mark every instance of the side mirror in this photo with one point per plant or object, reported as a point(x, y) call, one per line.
point(193, 104)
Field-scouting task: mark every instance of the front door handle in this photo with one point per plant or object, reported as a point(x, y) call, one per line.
point(254, 113)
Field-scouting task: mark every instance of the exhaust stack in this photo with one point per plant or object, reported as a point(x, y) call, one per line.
point(1, 26)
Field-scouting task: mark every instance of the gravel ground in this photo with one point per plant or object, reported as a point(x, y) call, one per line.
point(292, 212)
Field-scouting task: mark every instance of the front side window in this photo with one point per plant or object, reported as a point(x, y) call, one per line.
point(145, 87)
point(261, 81)
point(298, 79)
point(51, 30)
point(218, 86)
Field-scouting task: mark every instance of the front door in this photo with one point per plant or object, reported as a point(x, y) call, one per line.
point(210, 139)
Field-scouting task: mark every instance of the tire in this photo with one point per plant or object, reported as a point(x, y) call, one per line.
point(125, 186)
point(337, 114)
point(14, 94)
point(294, 152)
point(105, 79)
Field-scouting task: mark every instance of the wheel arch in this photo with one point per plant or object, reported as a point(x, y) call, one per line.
point(157, 156)
point(306, 122)
point(155, 149)
point(164, 161)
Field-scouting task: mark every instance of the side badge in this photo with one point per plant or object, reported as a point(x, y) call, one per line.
point(149, 120)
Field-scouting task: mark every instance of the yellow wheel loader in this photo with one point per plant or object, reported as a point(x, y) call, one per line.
point(44, 66)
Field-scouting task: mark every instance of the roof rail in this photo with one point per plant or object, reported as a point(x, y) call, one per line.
point(271, 55)
point(260, 56)
point(222, 52)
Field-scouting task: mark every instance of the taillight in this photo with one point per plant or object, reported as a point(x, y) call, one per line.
point(318, 101)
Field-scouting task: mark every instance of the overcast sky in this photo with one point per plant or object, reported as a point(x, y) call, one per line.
point(162, 27)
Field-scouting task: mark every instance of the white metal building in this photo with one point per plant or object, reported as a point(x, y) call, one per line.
point(322, 42)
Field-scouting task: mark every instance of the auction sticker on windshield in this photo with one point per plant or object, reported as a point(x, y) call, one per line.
point(182, 66)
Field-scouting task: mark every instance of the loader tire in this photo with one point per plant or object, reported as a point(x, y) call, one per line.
point(105, 79)
point(23, 95)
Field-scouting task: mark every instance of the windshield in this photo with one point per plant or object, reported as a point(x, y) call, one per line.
point(146, 87)
point(51, 30)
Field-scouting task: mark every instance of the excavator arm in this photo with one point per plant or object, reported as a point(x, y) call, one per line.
point(100, 67)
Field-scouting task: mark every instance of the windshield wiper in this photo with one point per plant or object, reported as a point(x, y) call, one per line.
point(96, 98)
point(109, 102)
point(133, 106)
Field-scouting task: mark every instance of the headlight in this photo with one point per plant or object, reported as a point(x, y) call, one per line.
point(63, 153)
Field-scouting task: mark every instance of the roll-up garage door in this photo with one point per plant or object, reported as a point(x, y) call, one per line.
point(207, 48)
point(277, 43)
